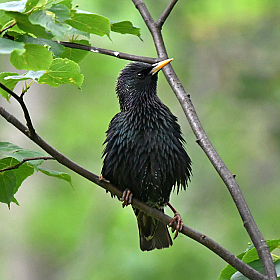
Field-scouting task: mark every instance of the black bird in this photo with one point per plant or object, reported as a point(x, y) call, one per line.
point(144, 153)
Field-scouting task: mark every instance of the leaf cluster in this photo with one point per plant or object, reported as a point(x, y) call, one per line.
point(14, 169)
point(250, 256)
point(31, 31)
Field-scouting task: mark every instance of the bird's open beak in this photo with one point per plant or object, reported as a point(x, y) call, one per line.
point(158, 66)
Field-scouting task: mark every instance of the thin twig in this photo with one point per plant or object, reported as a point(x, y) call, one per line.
point(117, 54)
point(234, 189)
point(161, 20)
point(8, 27)
point(204, 240)
point(23, 106)
point(23, 161)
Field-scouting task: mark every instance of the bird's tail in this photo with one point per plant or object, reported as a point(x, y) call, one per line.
point(152, 233)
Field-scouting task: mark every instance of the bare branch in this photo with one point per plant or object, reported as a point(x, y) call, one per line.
point(161, 20)
point(29, 124)
point(206, 241)
point(23, 161)
point(189, 110)
point(117, 54)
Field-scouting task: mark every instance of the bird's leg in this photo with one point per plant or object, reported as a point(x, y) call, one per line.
point(177, 218)
point(126, 197)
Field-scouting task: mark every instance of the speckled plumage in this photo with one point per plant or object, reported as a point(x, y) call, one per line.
point(144, 150)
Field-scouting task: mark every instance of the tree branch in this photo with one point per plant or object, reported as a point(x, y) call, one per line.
point(201, 238)
point(161, 20)
point(29, 124)
point(8, 27)
point(23, 161)
point(189, 110)
point(117, 54)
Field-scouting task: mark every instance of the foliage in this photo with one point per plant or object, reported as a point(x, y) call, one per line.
point(11, 179)
point(250, 256)
point(29, 29)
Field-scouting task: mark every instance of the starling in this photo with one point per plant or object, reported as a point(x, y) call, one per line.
point(144, 153)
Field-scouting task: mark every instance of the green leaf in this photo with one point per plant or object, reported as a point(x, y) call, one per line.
point(30, 4)
point(90, 23)
point(35, 58)
point(8, 83)
point(30, 75)
point(11, 180)
point(74, 31)
point(47, 20)
point(62, 71)
point(24, 24)
point(24, 171)
point(8, 147)
point(4, 18)
point(75, 54)
point(56, 174)
point(61, 12)
point(257, 265)
point(125, 27)
point(21, 154)
point(16, 6)
point(8, 46)
point(7, 185)
point(228, 271)
point(55, 48)
point(249, 256)
point(67, 3)
point(12, 151)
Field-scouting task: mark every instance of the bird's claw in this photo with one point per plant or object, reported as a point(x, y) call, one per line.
point(126, 197)
point(177, 218)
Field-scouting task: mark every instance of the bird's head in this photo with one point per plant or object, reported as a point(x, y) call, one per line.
point(138, 80)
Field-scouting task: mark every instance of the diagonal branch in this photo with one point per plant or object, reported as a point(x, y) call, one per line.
point(19, 99)
point(204, 240)
point(161, 20)
point(189, 110)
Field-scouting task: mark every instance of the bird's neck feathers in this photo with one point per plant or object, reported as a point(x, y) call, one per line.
point(137, 99)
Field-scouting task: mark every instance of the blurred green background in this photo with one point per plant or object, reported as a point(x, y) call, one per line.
point(227, 55)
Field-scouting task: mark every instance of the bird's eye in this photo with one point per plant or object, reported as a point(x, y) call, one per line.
point(140, 75)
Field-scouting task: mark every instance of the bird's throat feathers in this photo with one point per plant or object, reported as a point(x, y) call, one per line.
point(136, 86)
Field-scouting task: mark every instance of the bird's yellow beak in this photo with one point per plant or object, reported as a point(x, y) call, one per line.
point(158, 66)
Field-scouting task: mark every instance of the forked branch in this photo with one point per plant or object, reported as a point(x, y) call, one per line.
point(204, 142)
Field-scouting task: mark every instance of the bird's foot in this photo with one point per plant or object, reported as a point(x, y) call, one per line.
point(126, 197)
point(177, 219)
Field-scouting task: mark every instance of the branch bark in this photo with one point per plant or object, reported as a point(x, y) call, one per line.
point(117, 54)
point(199, 237)
point(204, 142)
